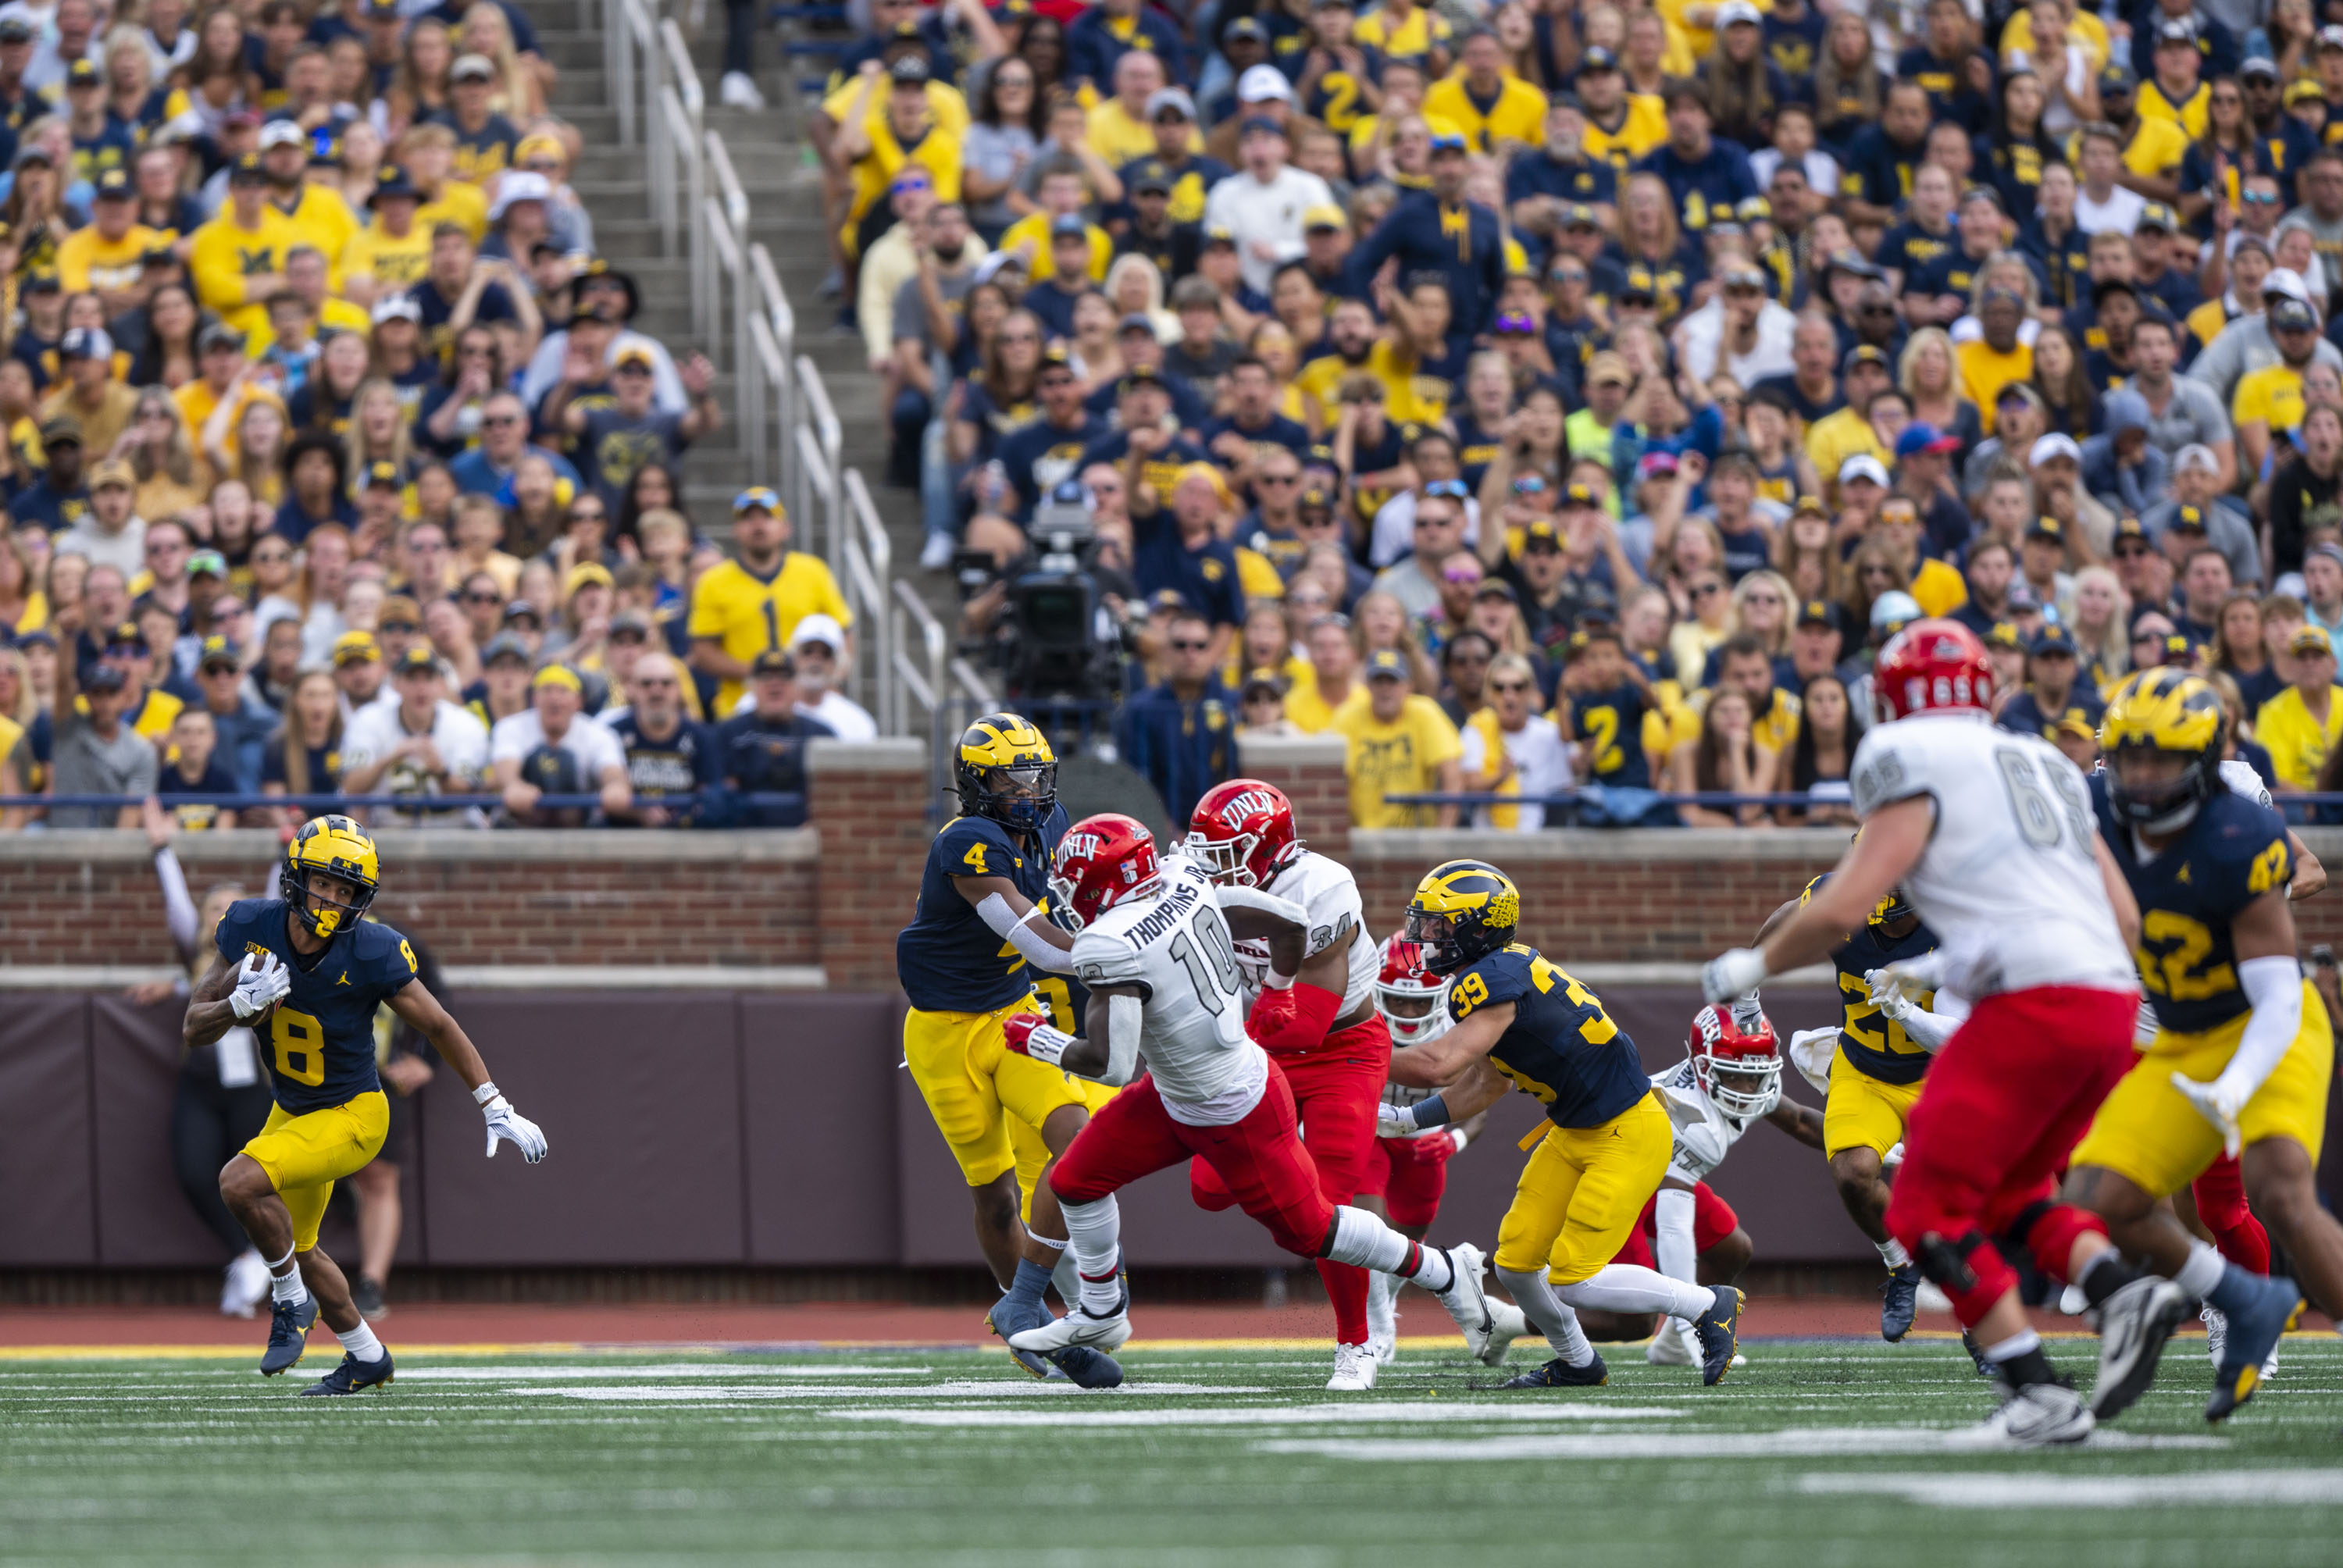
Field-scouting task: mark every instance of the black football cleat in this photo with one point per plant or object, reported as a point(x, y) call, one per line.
point(1004, 1323)
point(1899, 1302)
point(1560, 1373)
point(1719, 1331)
point(2254, 1334)
point(1086, 1368)
point(1977, 1354)
point(288, 1335)
point(353, 1376)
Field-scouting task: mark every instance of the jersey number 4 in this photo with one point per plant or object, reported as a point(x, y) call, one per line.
point(300, 1042)
point(1214, 970)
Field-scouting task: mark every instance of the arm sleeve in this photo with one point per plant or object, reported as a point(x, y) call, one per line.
point(1269, 903)
point(1930, 1029)
point(1673, 1246)
point(2273, 985)
point(178, 908)
point(1018, 933)
point(1292, 1018)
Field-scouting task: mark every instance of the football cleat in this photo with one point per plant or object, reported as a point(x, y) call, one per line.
point(1086, 1368)
point(1507, 1324)
point(1899, 1302)
point(1386, 1351)
point(1977, 1354)
point(1004, 1323)
point(1079, 1327)
point(353, 1376)
point(2216, 1334)
point(1354, 1369)
point(367, 1297)
point(2035, 1416)
point(1382, 1318)
point(2134, 1325)
point(1719, 1332)
point(1468, 1303)
point(245, 1285)
point(1560, 1373)
point(288, 1335)
point(1671, 1346)
point(2253, 1336)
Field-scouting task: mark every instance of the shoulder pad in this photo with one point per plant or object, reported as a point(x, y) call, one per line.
point(1103, 958)
point(975, 847)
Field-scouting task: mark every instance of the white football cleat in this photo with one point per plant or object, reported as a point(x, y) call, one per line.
point(2073, 1301)
point(1386, 1351)
point(1507, 1324)
point(738, 91)
point(2217, 1333)
point(1931, 1298)
point(1466, 1302)
point(1354, 1369)
point(1383, 1316)
point(2035, 1416)
point(245, 1285)
point(1079, 1327)
point(1671, 1346)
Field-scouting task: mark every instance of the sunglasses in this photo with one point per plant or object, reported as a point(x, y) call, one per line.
point(1504, 687)
point(1277, 479)
point(275, 558)
point(2130, 552)
point(399, 627)
point(1518, 326)
point(663, 684)
point(1703, 590)
point(2259, 198)
point(1451, 488)
point(482, 599)
point(1191, 647)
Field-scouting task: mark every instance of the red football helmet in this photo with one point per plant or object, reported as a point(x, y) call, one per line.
point(1243, 832)
point(1740, 1069)
point(1102, 861)
point(1414, 1000)
point(1932, 666)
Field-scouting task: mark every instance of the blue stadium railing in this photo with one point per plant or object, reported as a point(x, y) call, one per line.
point(415, 804)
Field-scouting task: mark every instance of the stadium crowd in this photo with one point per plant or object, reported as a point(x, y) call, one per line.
point(1555, 394)
point(334, 461)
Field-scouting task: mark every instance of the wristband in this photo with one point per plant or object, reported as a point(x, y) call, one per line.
point(1429, 1114)
point(1460, 1138)
point(485, 1092)
point(1277, 981)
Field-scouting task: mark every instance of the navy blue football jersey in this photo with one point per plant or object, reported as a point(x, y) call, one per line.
point(319, 1041)
point(1561, 1047)
point(1874, 1045)
point(2230, 854)
point(948, 959)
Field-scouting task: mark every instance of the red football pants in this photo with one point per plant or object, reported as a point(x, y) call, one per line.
point(1713, 1219)
point(1409, 1174)
point(1337, 1088)
point(1260, 1160)
point(2220, 1194)
point(2008, 1098)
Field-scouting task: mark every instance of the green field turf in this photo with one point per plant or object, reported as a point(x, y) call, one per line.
point(1816, 1453)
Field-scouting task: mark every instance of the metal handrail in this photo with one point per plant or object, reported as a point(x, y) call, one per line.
point(871, 612)
point(908, 605)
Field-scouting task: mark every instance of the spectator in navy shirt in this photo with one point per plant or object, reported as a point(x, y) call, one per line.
point(763, 746)
point(1036, 457)
point(1542, 186)
point(1439, 231)
point(316, 491)
point(1181, 735)
point(666, 754)
point(1252, 424)
point(1883, 158)
point(1176, 542)
point(1092, 46)
point(1956, 74)
point(1704, 174)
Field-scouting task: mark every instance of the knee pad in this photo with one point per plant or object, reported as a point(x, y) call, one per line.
point(2048, 1232)
point(1970, 1272)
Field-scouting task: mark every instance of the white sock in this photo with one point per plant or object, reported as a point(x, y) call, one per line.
point(1546, 1313)
point(2202, 1272)
point(286, 1285)
point(1892, 1252)
point(1065, 1277)
point(1363, 1239)
point(360, 1342)
point(1383, 1295)
point(2015, 1345)
point(1095, 1232)
point(1632, 1288)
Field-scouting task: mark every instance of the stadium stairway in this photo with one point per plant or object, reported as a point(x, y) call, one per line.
point(782, 183)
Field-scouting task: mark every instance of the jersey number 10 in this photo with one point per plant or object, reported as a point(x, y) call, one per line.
point(1214, 970)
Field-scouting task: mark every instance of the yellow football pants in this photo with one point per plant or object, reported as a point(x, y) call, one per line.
point(1583, 1191)
point(305, 1155)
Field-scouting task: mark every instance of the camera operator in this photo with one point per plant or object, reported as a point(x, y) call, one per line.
point(1052, 616)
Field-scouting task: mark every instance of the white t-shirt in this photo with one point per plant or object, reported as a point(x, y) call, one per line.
point(1540, 759)
point(848, 718)
point(1822, 169)
point(2010, 880)
point(592, 748)
point(2120, 212)
point(379, 727)
point(1271, 213)
point(1176, 947)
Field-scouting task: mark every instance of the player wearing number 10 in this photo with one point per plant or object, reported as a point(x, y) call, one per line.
point(741, 608)
point(305, 970)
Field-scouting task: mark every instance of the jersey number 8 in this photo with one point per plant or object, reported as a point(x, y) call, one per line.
point(301, 1041)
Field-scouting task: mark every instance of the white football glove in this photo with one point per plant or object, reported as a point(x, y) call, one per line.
point(1395, 1121)
point(262, 981)
point(1810, 1052)
point(2219, 1103)
point(1897, 988)
point(1731, 974)
point(505, 1122)
point(2144, 1027)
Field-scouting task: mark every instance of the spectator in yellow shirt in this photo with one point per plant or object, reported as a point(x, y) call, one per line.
point(237, 259)
point(743, 607)
point(1491, 107)
point(1992, 362)
point(1335, 687)
point(1400, 744)
point(105, 255)
point(1121, 130)
point(2298, 725)
point(392, 253)
point(316, 213)
point(2269, 401)
point(907, 132)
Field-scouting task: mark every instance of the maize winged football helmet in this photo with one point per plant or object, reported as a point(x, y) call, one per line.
point(1005, 770)
point(1463, 910)
point(2163, 709)
point(340, 848)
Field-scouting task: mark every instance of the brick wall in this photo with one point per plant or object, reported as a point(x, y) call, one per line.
point(835, 894)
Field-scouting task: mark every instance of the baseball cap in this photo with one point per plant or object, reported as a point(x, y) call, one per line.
point(1261, 125)
point(1539, 535)
point(2046, 529)
point(1597, 58)
point(2259, 66)
point(2310, 640)
point(586, 574)
point(83, 73)
point(1609, 367)
point(1163, 98)
point(2052, 638)
point(518, 186)
point(1136, 376)
point(114, 185)
point(472, 68)
point(909, 71)
point(2021, 597)
point(1581, 496)
point(1069, 223)
point(1655, 465)
point(2157, 215)
point(282, 133)
point(2053, 446)
point(1259, 84)
point(417, 660)
point(633, 621)
point(1246, 27)
point(220, 335)
point(124, 635)
point(1733, 11)
point(504, 644)
point(64, 428)
point(756, 498)
point(2287, 313)
point(1387, 664)
point(1821, 612)
point(355, 648)
point(1862, 354)
point(2004, 634)
point(86, 343)
point(1921, 436)
point(773, 661)
point(1259, 680)
point(1894, 609)
point(247, 170)
point(1151, 176)
point(821, 628)
point(2331, 37)
point(517, 609)
point(633, 355)
point(2177, 30)
point(218, 650)
point(15, 30)
point(381, 475)
point(1863, 466)
point(115, 472)
point(2117, 78)
point(206, 563)
point(562, 675)
point(2187, 520)
point(1324, 215)
point(102, 677)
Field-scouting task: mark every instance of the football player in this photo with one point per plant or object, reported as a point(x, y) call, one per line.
point(1522, 1021)
point(982, 949)
point(1877, 1059)
point(2243, 1049)
point(1990, 836)
point(1322, 1030)
point(1407, 1168)
point(1730, 1079)
point(305, 971)
point(1157, 950)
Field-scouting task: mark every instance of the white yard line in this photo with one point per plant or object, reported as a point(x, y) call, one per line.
point(1028, 1389)
point(1411, 1413)
point(1680, 1443)
point(523, 1373)
point(2210, 1488)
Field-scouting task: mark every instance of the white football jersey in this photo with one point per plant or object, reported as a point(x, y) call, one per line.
point(1176, 949)
point(1327, 889)
point(2009, 882)
point(1704, 1134)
